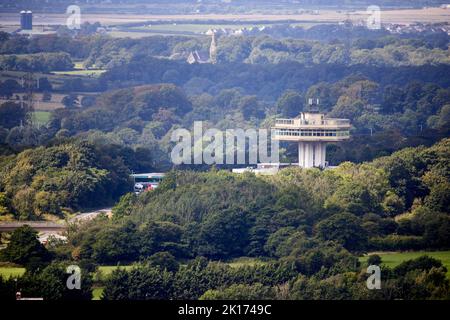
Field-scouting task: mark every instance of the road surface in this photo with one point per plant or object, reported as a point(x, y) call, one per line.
point(48, 228)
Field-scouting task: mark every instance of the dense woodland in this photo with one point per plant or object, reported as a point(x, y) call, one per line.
point(307, 228)
point(399, 201)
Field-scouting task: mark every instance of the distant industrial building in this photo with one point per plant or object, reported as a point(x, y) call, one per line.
point(26, 20)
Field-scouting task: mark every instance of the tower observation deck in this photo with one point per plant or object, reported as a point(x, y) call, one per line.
point(312, 131)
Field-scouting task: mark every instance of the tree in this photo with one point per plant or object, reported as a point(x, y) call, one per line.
point(374, 259)
point(344, 228)
point(5, 204)
point(46, 203)
point(8, 88)
point(338, 286)
point(158, 236)
point(23, 203)
point(7, 289)
point(4, 36)
point(355, 198)
point(164, 261)
point(223, 234)
point(46, 96)
point(117, 285)
point(393, 204)
point(444, 117)
point(140, 283)
point(25, 249)
point(276, 240)
point(44, 84)
point(423, 263)
point(13, 114)
point(241, 292)
point(116, 244)
point(124, 207)
point(73, 175)
point(3, 135)
point(87, 101)
point(437, 230)
point(250, 107)
point(53, 284)
point(73, 85)
point(70, 101)
point(290, 104)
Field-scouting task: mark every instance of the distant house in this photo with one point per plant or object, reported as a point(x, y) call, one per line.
point(197, 57)
point(204, 57)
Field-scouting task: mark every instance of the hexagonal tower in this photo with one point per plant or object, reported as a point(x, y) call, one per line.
point(312, 131)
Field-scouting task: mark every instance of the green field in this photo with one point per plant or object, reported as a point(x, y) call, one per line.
point(245, 261)
point(97, 293)
point(105, 271)
point(83, 72)
point(7, 272)
point(42, 117)
point(393, 259)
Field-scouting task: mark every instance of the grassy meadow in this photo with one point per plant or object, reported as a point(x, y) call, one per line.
point(393, 259)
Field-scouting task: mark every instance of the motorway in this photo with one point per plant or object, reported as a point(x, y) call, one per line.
point(48, 228)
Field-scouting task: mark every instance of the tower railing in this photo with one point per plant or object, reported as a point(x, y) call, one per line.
point(322, 122)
